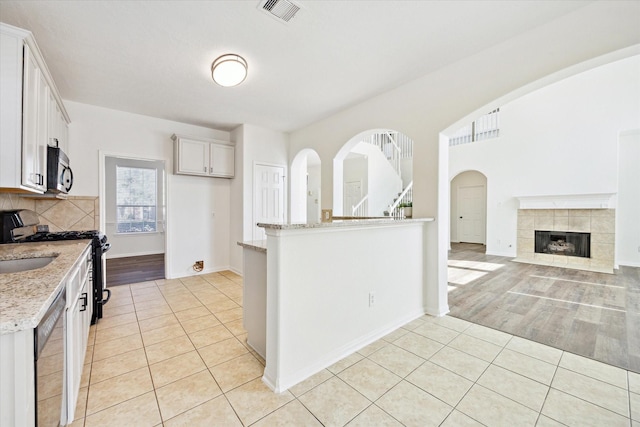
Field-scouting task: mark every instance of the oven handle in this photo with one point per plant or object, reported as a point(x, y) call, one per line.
point(108, 291)
point(85, 298)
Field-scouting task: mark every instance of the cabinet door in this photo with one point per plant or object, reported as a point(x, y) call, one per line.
point(193, 157)
point(43, 131)
point(35, 124)
point(75, 355)
point(58, 129)
point(31, 79)
point(222, 160)
point(78, 320)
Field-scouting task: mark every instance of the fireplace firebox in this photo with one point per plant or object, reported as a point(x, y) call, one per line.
point(563, 243)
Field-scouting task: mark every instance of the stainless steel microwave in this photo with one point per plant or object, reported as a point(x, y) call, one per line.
point(59, 174)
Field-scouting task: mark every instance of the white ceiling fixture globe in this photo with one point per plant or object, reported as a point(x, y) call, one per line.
point(229, 70)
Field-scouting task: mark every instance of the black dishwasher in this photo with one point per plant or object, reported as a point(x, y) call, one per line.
point(49, 364)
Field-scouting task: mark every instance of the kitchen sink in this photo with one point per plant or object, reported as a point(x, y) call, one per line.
point(25, 264)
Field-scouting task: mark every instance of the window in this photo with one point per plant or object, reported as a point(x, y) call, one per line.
point(136, 199)
point(485, 127)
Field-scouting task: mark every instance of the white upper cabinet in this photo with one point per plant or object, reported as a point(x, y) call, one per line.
point(203, 157)
point(221, 160)
point(32, 114)
point(58, 127)
point(192, 157)
point(34, 171)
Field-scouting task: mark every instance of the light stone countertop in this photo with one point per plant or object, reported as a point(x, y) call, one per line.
point(256, 245)
point(25, 296)
point(344, 223)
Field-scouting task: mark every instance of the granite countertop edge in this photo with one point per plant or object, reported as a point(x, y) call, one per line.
point(345, 223)
point(26, 296)
point(256, 245)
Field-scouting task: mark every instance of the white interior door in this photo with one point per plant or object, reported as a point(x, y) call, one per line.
point(268, 193)
point(471, 214)
point(352, 196)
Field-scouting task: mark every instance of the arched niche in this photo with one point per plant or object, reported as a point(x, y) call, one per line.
point(305, 187)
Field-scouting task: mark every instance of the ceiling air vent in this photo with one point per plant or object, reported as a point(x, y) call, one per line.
point(283, 10)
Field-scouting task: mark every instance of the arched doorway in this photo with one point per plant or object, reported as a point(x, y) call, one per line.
point(305, 187)
point(373, 175)
point(469, 208)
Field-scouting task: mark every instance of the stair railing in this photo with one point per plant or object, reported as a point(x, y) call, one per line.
point(390, 148)
point(362, 208)
point(405, 197)
point(396, 153)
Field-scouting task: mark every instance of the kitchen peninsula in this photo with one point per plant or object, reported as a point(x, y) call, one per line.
point(315, 293)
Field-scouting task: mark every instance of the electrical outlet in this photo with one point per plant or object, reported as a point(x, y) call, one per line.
point(372, 298)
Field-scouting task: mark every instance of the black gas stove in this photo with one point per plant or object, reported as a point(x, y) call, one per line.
point(22, 226)
point(46, 236)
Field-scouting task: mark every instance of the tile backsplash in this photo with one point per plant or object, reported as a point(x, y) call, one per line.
point(72, 213)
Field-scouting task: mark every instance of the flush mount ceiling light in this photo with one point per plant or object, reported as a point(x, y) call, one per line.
point(229, 70)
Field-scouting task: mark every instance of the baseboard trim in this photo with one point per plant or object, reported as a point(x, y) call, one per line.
point(279, 385)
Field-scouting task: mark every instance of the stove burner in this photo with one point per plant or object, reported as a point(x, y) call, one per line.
point(99, 247)
point(64, 235)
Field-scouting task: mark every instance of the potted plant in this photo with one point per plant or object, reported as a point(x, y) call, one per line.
point(408, 209)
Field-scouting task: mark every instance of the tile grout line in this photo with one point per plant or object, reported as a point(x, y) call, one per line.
point(334, 375)
point(208, 368)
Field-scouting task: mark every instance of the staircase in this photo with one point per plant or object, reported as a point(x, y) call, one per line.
point(397, 149)
point(402, 206)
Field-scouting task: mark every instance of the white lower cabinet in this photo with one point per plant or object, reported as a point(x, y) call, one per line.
point(78, 318)
point(17, 373)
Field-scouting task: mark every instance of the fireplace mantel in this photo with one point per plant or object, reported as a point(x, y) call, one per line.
point(572, 201)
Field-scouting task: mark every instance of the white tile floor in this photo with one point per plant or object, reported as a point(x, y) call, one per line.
point(173, 353)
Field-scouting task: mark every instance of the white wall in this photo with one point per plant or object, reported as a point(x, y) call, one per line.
point(237, 203)
point(628, 213)
point(560, 139)
point(468, 178)
point(257, 145)
point(318, 315)
point(193, 233)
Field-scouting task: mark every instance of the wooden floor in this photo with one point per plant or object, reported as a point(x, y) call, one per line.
point(591, 314)
point(124, 271)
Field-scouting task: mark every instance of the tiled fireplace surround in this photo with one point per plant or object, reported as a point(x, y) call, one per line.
point(599, 222)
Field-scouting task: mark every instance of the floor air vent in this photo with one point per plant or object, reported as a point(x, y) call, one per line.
point(283, 10)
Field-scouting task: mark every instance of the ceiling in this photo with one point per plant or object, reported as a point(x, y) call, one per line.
point(154, 57)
